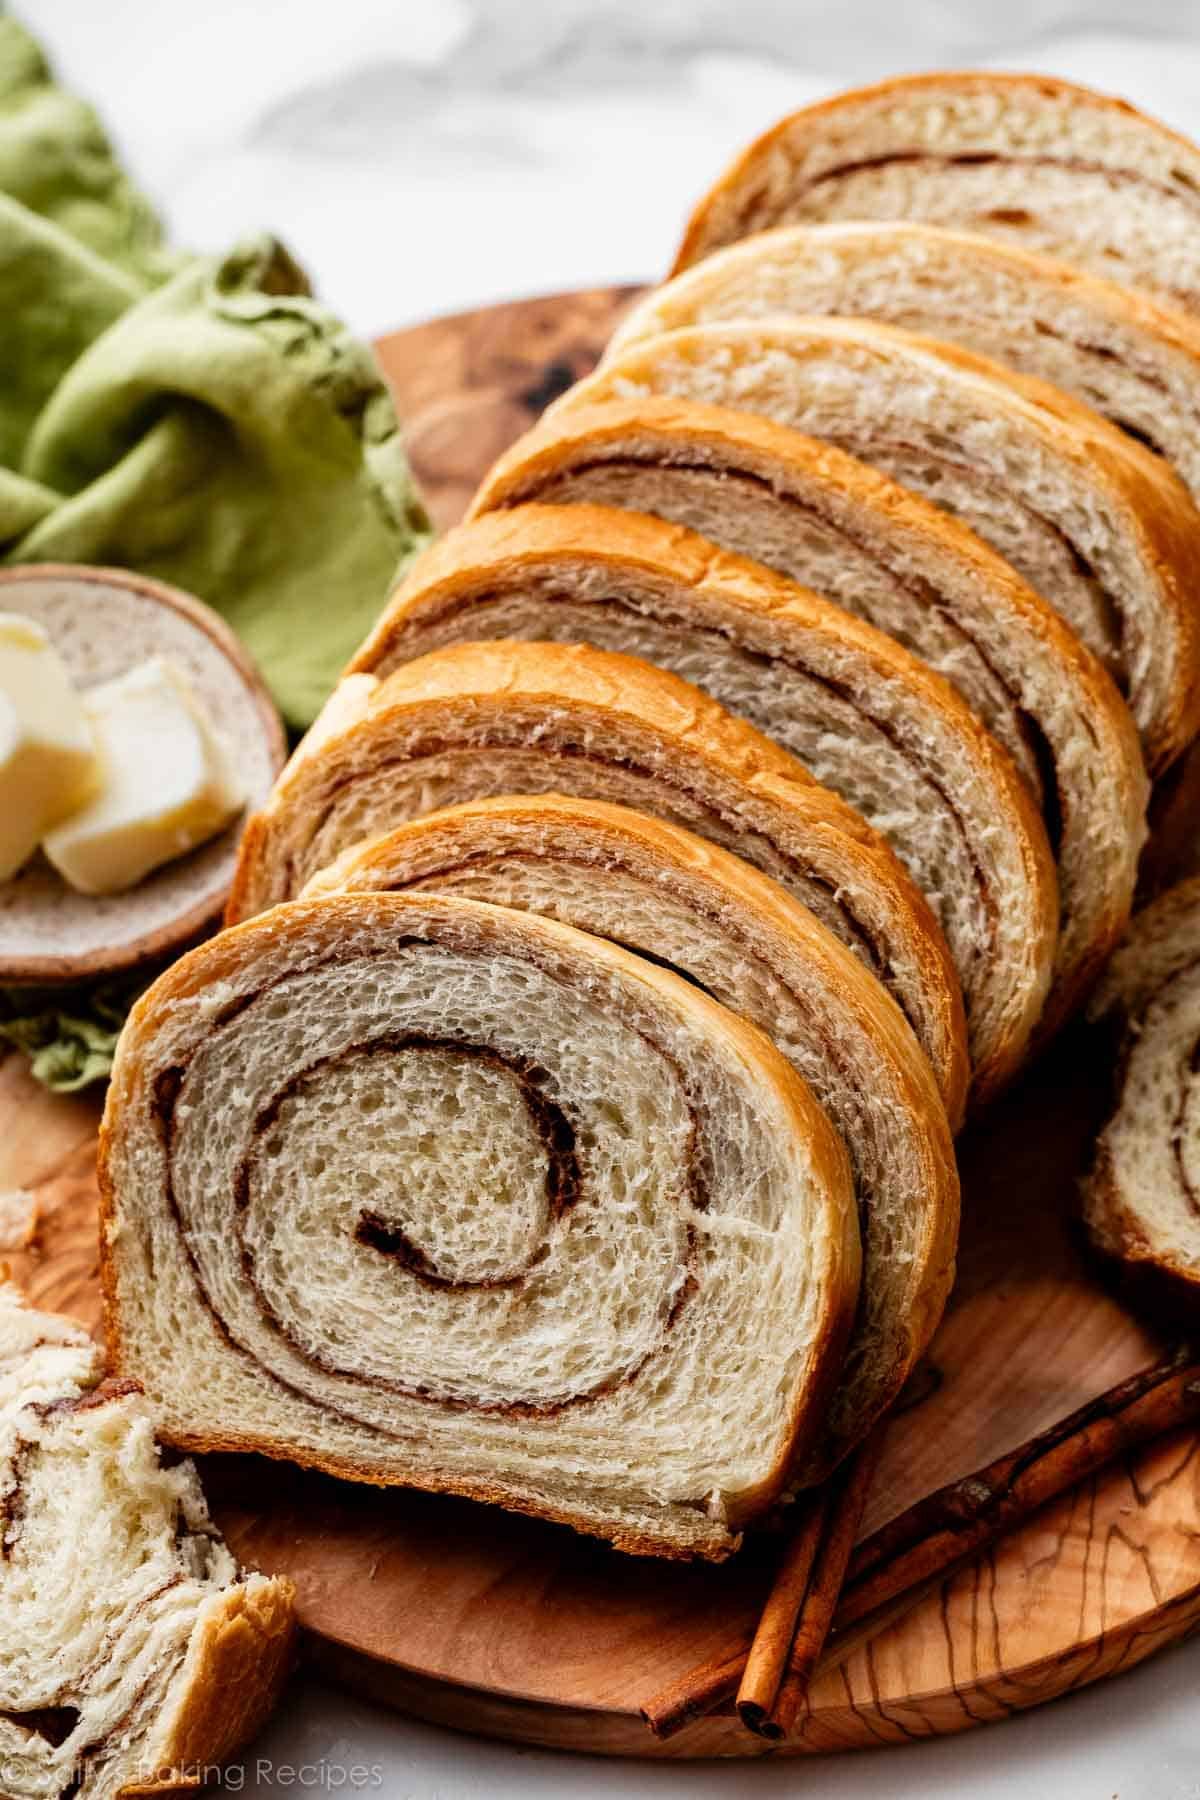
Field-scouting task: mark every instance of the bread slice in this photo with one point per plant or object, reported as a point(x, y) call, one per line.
point(1111, 347)
point(864, 716)
point(478, 720)
point(1028, 158)
point(1096, 525)
point(132, 1654)
point(739, 937)
point(1141, 1199)
point(431, 1193)
point(822, 518)
point(103, 622)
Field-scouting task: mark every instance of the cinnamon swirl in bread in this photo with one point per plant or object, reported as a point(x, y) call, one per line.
point(663, 893)
point(1141, 1200)
point(1062, 495)
point(825, 519)
point(431, 1193)
point(1028, 158)
point(863, 715)
point(1117, 350)
point(477, 720)
point(131, 1652)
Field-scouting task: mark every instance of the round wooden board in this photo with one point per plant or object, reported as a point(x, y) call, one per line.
point(496, 1624)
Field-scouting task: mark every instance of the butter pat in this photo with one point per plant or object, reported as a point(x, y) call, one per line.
point(47, 761)
point(166, 782)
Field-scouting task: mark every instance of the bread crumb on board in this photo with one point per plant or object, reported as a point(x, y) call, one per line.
point(18, 1219)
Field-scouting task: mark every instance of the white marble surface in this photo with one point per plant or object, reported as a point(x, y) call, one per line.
point(426, 155)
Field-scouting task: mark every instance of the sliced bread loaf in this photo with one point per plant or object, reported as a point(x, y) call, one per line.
point(477, 720)
point(1113, 348)
point(1095, 524)
point(864, 716)
point(737, 935)
point(823, 518)
point(431, 1193)
point(1024, 157)
point(132, 1655)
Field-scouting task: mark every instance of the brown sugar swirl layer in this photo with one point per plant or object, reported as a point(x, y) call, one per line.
point(432, 1193)
point(1026, 158)
point(735, 934)
point(477, 720)
point(864, 716)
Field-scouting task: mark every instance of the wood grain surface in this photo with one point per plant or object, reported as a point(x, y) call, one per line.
point(496, 1624)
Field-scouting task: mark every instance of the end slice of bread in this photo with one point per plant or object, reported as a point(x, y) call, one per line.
point(692, 907)
point(433, 1193)
point(131, 1652)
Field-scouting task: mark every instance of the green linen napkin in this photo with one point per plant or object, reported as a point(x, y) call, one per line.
point(200, 419)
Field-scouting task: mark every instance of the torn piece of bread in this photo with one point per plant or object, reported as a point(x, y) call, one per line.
point(18, 1219)
point(131, 1652)
point(1111, 347)
point(868, 719)
point(1141, 1200)
point(829, 521)
point(477, 720)
point(1024, 157)
point(431, 1193)
point(1097, 525)
point(737, 935)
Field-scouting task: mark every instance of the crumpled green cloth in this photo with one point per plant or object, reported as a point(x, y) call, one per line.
point(203, 420)
point(200, 419)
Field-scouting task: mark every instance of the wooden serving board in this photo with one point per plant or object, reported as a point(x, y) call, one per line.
point(470, 1617)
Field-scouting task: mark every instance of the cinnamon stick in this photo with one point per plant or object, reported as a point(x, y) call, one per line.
point(964, 1517)
point(821, 1602)
point(695, 1694)
point(905, 1559)
point(767, 1662)
point(807, 1577)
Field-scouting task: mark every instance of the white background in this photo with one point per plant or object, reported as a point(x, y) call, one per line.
point(422, 156)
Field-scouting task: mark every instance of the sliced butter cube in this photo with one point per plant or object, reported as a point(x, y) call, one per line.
point(47, 760)
point(167, 783)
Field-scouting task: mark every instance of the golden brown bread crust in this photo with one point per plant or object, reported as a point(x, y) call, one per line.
point(239, 1659)
point(715, 220)
point(1139, 486)
point(517, 682)
point(1155, 503)
point(427, 851)
point(1124, 308)
point(787, 462)
point(320, 926)
point(665, 571)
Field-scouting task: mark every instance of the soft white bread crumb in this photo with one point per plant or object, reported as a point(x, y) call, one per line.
point(1026, 158)
point(128, 1644)
point(668, 895)
point(1141, 1200)
point(18, 1219)
point(475, 1202)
